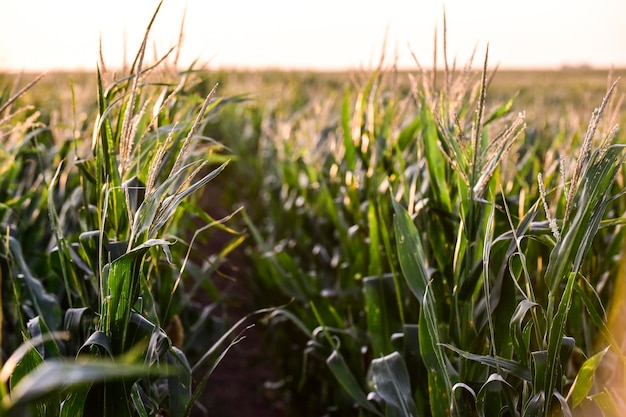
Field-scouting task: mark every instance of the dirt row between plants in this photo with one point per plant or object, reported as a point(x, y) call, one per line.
point(237, 386)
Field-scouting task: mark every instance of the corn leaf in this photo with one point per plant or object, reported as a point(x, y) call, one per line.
point(592, 202)
point(46, 305)
point(179, 384)
point(410, 252)
point(74, 403)
point(516, 329)
point(555, 341)
point(435, 161)
point(510, 367)
point(348, 140)
point(54, 376)
point(492, 392)
point(391, 381)
point(584, 379)
point(122, 291)
point(382, 320)
point(347, 380)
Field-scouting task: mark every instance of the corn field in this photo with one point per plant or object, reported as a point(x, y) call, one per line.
point(410, 243)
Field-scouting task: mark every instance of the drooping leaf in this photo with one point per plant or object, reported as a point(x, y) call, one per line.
point(79, 322)
point(97, 343)
point(516, 329)
point(46, 305)
point(502, 392)
point(347, 380)
point(54, 376)
point(391, 381)
point(511, 367)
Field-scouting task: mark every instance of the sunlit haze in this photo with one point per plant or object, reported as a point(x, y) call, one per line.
point(324, 35)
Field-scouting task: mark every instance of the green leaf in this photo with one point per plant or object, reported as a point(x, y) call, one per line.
point(501, 111)
point(342, 373)
point(43, 407)
point(493, 391)
point(135, 396)
point(79, 322)
point(535, 405)
point(54, 376)
point(439, 378)
point(584, 379)
point(511, 367)
point(382, 320)
point(555, 340)
point(539, 370)
point(593, 305)
point(516, 329)
point(461, 386)
point(375, 266)
point(412, 262)
point(135, 191)
point(10, 364)
point(348, 141)
point(488, 294)
point(74, 403)
point(410, 252)
point(122, 291)
point(97, 344)
point(37, 328)
point(435, 161)
point(142, 331)
point(46, 305)
point(179, 384)
point(591, 203)
point(63, 255)
point(409, 133)
point(565, 409)
point(391, 381)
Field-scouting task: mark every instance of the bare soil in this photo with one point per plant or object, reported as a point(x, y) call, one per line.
point(236, 388)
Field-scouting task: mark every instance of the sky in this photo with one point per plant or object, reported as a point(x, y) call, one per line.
point(38, 35)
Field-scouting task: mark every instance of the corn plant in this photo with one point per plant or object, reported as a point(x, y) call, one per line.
point(404, 237)
point(111, 217)
point(517, 357)
point(333, 250)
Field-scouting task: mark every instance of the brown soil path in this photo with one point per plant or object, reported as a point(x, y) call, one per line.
point(236, 388)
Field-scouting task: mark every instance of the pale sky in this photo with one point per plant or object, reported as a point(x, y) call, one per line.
point(40, 35)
